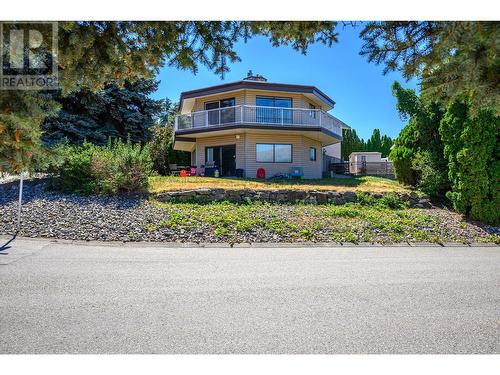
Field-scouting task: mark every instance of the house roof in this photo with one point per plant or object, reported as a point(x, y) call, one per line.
point(258, 85)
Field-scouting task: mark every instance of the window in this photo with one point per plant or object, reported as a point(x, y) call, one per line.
point(312, 112)
point(274, 114)
point(273, 153)
point(210, 154)
point(220, 111)
point(264, 153)
point(282, 153)
point(312, 153)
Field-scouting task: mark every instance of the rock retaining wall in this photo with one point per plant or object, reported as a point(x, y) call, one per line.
point(283, 196)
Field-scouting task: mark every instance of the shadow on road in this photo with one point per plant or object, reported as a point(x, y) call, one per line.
point(6, 246)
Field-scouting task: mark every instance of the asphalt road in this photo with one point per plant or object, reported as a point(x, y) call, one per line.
point(98, 298)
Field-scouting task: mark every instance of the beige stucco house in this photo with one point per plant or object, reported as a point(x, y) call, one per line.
point(242, 126)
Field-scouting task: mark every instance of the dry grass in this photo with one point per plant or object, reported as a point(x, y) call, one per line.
point(365, 184)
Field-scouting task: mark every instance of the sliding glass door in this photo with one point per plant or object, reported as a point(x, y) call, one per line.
point(221, 111)
point(279, 111)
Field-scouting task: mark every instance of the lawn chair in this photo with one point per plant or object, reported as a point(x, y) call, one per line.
point(296, 172)
point(174, 171)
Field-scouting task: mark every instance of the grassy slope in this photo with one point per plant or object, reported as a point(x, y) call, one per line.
point(346, 223)
point(366, 184)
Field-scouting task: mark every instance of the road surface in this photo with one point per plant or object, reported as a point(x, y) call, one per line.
point(112, 298)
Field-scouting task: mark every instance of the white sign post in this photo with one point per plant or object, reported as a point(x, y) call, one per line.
point(20, 201)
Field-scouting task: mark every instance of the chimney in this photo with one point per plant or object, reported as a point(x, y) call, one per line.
point(257, 77)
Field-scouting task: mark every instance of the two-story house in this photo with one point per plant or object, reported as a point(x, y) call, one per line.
point(252, 124)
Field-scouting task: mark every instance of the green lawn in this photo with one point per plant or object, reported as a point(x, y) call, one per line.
point(358, 184)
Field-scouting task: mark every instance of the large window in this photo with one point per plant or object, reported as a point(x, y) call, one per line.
point(274, 114)
point(273, 153)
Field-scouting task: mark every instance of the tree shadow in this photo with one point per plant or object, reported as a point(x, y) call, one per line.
point(6, 246)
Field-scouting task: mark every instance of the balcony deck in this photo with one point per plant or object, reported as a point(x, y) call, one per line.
point(248, 115)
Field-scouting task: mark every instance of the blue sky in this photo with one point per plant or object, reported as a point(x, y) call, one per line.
point(362, 93)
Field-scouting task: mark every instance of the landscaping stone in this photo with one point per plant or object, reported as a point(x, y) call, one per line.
point(53, 214)
point(283, 196)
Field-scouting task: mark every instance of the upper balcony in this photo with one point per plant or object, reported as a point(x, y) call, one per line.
point(287, 118)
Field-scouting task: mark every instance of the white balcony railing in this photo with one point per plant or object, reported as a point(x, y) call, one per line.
point(248, 114)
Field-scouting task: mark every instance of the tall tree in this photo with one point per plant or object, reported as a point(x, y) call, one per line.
point(91, 54)
point(472, 152)
point(386, 144)
point(374, 143)
point(419, 139)
point(450, 57)
point(350, 143)
point(125, 112)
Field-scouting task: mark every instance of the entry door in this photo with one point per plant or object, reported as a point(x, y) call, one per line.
point(228, 160)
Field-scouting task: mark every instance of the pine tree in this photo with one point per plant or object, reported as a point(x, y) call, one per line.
point(115, 112)
point(450, 57)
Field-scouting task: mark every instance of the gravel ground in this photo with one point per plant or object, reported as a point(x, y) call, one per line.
point(54, 215)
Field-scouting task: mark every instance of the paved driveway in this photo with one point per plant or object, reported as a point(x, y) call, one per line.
point(67, 298)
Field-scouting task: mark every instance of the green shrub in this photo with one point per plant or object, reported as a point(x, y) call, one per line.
point(162, 152)
point(118, 168)
point(471, 149)
point(365, 199)
point(417, 154)
point(389, 200)
point(431, 178)
point(401, 158)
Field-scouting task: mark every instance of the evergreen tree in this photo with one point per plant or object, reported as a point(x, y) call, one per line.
point(374, 143)
point(115, 112)
point(93, 53)
point(471, 149)
point(385, 146)
point(419, 136)
point(352, 143)
point(450, 57)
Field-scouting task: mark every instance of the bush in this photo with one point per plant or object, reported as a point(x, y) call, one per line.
point(471, 149)
point(389, 200)
point(417, 154)
point(431, 178)
point(118, 168)
point(162, 152)
point(401, 158)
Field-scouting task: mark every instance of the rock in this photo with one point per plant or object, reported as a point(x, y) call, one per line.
point(321, 198)
point(349, 196)
point(413, 195)
point(204, 191)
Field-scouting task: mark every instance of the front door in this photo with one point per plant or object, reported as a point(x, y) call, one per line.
point(228, 160)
